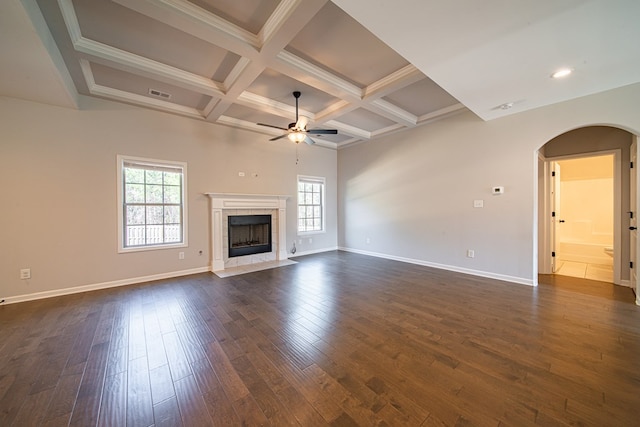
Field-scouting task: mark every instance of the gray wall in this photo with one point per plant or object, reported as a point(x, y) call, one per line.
point(59, 213)
point(412, 193)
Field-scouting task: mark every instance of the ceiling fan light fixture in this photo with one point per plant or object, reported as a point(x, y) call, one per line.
point(297, 136)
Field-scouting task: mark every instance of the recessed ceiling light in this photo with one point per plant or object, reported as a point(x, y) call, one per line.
point(562, 72)
point(506, 106)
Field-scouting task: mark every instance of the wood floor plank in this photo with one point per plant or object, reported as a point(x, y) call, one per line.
point(87, 406)
point(113, 411)
point(193, 409)
point(167, 414)
point(139, 400)
point(337, 339)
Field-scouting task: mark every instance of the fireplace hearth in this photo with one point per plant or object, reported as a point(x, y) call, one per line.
point(249, 234)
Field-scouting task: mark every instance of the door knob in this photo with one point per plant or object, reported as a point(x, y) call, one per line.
point(562, 220)
point(633, 228)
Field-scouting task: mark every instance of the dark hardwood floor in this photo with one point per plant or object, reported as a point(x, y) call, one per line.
point(338, 339)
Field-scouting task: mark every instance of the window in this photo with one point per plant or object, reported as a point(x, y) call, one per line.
point(151, 197)
point(310, 204)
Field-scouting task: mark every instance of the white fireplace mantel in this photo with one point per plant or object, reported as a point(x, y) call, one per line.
point(225, 201)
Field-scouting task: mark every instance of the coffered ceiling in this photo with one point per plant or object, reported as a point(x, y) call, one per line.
point(237, 62)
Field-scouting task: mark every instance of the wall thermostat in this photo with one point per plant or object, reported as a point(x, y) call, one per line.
point(497, 190)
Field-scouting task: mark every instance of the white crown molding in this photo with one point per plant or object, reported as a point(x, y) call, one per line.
point(403, 77)
point(192, 14)
point(70, 19)
point(441, 113)
point(132, 98)
point(271, 106)
point(235, 73)
point(394, 112)
point(149, 68)
point(348, 129)
point(279, 17)
point(318, 73)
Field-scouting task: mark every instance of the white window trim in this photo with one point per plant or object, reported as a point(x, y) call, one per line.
point(322, 181)
point(121, 159)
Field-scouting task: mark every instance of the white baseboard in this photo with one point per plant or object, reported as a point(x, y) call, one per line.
point(489, 275)
point(103, 285)
point(315, 251)
point(626, 283)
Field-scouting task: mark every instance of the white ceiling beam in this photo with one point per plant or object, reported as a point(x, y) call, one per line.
point(149, 68)
point(397, 80)
point(191, 19)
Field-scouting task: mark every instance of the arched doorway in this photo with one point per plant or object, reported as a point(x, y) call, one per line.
point(583, 143)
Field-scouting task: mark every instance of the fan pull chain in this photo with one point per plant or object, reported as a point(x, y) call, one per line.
point(297, 159)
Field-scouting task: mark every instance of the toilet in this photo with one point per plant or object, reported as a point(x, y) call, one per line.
point(609, 251)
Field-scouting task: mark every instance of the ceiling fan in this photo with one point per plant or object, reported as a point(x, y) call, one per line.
point(298, 132)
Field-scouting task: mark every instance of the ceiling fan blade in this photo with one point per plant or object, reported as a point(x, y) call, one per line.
point(323, 131)
point(271, 126)
point(278, 137)
point(309, 141)
point(301, 124)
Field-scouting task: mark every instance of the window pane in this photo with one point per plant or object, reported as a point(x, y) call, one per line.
point(135, 215)
point(134, 193)
point(308, 187)
point(316, 198)
point(135, 235)
point(155, 234)
point(317, 224)
point(300, 186)
point(154, 177)
point(172, 194)
point(154, 194)
point(171, 178)
point(308, 199)
point(134, 175)
point(172, 233)
point(301, 212)
point(154, 214)
point(316, 212)
point(172, 214)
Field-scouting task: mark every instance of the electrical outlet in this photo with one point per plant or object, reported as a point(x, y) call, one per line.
point(25, 273)
point(471, 253)
point(180, 255)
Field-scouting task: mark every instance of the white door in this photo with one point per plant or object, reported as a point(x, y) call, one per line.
point(633, 223)
point(555, 214)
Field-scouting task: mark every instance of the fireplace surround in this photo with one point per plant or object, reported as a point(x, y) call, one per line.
point(225, 205)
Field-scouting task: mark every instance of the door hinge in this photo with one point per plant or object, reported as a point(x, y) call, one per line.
point(553, 173)
point(631, 264)
point(553, 214)
point(553, 254)
point(631, 165)
point(631, 214)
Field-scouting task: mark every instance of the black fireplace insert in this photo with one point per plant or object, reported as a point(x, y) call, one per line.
point(249, 234)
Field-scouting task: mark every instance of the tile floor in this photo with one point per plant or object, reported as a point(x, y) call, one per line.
point(601, 272)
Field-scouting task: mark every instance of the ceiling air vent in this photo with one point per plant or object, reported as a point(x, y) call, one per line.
point(159, 94)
